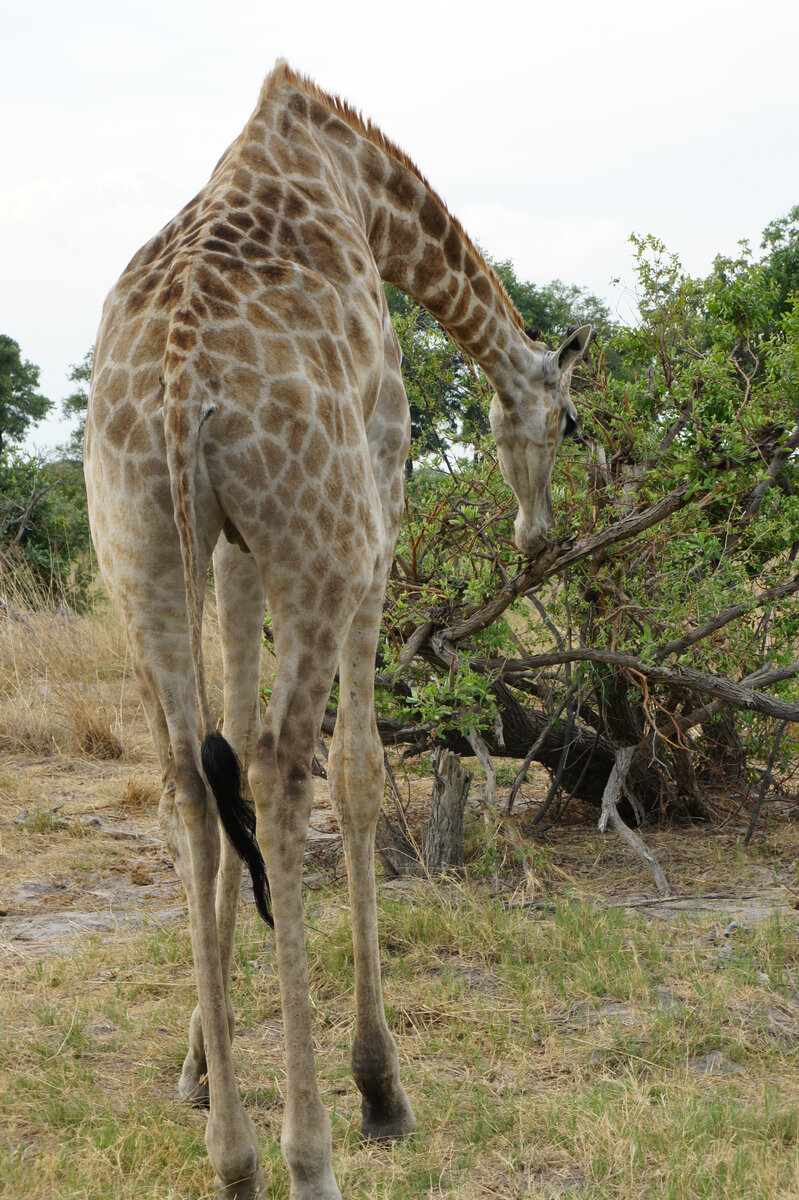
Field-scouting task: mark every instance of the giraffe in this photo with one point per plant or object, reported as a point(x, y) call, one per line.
point(246, 403)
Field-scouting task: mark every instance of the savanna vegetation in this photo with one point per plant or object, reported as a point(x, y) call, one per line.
point(561, 1036)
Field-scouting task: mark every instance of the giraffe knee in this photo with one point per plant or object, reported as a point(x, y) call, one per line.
point(357, 775)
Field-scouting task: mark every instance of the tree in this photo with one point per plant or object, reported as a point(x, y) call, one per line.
point(20, 403)
point(781, 242)
point(44, 528)
point(77, 402)
point(664, 618)
point(435, 375)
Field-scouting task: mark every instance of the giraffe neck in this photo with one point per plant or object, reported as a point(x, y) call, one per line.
point(415, 242)
point(421, 249)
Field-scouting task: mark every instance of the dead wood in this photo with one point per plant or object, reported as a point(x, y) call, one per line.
point(610, 816)
point(443, 841)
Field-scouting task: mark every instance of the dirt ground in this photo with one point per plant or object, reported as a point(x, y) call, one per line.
point(81, 852)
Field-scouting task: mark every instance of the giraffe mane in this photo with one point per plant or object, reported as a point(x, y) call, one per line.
point(284, 75)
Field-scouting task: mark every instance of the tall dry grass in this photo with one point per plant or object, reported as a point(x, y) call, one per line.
point(66, 681)
point(63, 677)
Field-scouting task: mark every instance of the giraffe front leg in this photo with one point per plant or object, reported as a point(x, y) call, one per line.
point(356, 775)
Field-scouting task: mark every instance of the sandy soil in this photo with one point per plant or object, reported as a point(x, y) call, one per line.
point(81, 852)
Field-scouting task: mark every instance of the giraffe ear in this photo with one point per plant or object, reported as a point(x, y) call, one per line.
point(573, 347)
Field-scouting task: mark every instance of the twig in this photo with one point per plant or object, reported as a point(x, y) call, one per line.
point(536, 746)
point(610, 816)
point(765, 781)
point(555, 784)
point(578, 783)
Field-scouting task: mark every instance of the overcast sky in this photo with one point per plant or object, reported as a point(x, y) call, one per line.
point(552, 130)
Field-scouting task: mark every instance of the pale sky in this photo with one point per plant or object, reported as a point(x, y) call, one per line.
point(552, 131)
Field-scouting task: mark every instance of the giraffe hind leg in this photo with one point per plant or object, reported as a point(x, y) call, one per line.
point(240, 608)
point(191, 829)
point(356, 775)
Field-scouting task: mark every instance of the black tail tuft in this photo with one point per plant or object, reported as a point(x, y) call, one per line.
point(223, 773)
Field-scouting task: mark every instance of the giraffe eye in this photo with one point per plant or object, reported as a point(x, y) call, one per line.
point(569, 425)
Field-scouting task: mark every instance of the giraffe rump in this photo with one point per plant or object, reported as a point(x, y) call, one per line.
point(223, 773)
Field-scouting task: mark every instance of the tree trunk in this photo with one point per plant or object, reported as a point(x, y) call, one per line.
point(396, 851)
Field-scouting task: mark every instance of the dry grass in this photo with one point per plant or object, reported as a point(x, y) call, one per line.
point(66, 683)
point(139, 794)
point(63, 682)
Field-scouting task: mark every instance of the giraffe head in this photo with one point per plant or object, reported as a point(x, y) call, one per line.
point(529, 420)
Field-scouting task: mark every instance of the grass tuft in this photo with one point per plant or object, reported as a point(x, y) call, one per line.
point(139, 794)
point(95, 734)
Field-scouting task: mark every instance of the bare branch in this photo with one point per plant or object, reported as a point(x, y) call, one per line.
point(409, 651)
point(765, 782)
point(752, 506)
point(726, 615)
point(521, 774)
point(562, 554)
point(486, 761)
point(23, 520)
point(682, 677)
point(764, 677)
point(780, 458)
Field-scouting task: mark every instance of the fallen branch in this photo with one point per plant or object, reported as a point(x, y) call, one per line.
point(649, 901)
point(8, 611)
point(639, 901)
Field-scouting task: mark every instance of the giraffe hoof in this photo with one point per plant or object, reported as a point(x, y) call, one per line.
point(390, 1131)
point(195, 1091)
point(253, 1188)
point(387, 1122)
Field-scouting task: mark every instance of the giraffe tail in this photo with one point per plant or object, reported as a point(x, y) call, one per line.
point(222, 770)
point(182, 422)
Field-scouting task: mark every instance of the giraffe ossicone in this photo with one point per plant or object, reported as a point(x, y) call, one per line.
point(247, 403)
